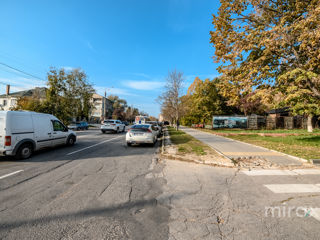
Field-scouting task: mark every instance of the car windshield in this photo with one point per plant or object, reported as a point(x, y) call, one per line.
point(109, 121)
point(140, 128)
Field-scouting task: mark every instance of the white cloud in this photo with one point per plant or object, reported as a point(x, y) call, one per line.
point(68, 68)
point(144, 85)
point(113, 91)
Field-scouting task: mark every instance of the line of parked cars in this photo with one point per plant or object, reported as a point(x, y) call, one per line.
point(139, 133)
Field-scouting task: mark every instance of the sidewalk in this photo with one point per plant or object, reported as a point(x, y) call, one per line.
point(235, 149)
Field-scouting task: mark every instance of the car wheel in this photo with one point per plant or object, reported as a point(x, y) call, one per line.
point(103, 131)
point(77, 129)
point(71, 141)
point(128, 144)
point(24, 151)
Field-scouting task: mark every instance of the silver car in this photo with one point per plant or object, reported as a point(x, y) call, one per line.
point(141, 133)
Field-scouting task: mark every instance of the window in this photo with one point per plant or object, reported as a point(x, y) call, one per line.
point(58, 126)
point(4, 102)
point(109, 121)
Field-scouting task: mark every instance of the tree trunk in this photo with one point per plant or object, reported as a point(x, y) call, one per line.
point(309, 123)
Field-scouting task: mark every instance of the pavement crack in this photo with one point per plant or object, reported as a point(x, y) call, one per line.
point(130, 192)
point(105, 189)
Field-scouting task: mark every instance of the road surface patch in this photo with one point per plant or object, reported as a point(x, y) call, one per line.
point(10, 174)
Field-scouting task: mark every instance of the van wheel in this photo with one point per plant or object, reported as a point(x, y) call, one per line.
point(24, 151)
point(71, 141)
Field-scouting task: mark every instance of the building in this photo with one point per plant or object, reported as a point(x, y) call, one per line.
point(102, 108)
point(8, 101)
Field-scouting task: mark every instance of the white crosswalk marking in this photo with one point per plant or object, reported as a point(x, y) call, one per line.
point(282, 172)
point(307, 171)
point(315, 212)
point(269, 172)
point(293, 188)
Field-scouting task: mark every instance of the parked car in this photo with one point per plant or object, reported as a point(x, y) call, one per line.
point(166, 123)
point(22, 133)
point(112, 126)
point(79, 126)
point(141, 133)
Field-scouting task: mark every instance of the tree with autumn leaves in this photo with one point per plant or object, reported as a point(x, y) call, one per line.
point(269, 48)
point(68, 95)
point(202, 101)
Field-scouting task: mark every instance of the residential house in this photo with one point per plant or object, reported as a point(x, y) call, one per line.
point(8, 101)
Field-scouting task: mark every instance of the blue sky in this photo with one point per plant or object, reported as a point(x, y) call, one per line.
point(126, 47)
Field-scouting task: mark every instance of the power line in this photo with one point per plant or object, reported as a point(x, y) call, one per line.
point(18, 70)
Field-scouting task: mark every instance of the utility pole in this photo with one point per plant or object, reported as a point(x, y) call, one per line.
point(104, 105)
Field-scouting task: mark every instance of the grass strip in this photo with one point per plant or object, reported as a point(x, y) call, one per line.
point(186, 143)
point(304, 145)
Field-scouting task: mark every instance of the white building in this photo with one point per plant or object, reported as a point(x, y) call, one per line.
point(102, 108)
point(8, 101)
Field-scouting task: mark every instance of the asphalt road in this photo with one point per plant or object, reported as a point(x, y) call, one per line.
point(96, 189)
point(102, 189)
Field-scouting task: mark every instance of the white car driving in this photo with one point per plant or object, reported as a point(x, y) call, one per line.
point(141, 133)
point(112, 126)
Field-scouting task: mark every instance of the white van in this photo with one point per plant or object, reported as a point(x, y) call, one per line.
point(22, 133)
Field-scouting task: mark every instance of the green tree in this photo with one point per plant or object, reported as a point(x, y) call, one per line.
point(119, 106)
point(69, 94)
point(273, 43)
point(203, 100)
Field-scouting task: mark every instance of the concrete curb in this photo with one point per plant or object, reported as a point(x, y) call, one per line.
point(183, 159)
point(264, 148)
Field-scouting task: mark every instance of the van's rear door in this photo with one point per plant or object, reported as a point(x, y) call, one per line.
point(2, 129)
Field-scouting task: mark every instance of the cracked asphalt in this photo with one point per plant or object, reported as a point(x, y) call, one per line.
point(224, 203)
point(98, 193)
point(102, 189)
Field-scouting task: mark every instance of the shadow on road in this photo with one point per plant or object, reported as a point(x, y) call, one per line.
point(96, 212)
